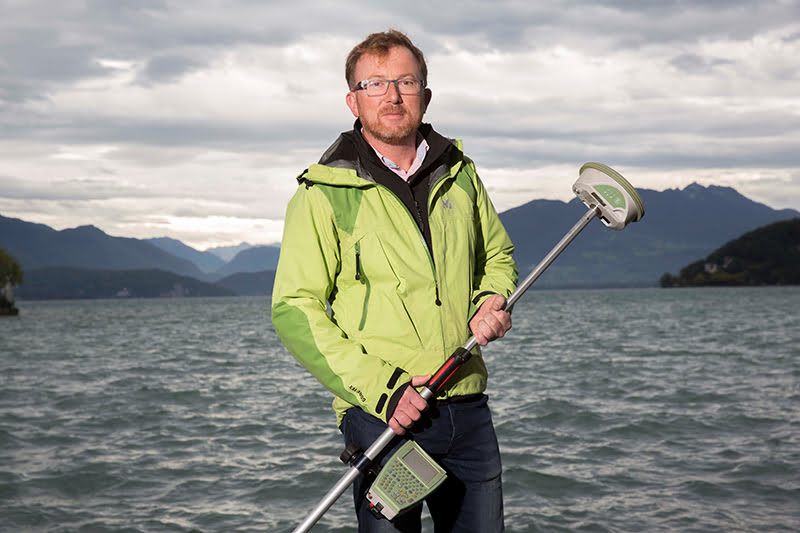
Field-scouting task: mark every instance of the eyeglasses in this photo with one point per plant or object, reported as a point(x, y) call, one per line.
point(379, 87)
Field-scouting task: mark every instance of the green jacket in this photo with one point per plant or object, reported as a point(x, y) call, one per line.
point(360, 300)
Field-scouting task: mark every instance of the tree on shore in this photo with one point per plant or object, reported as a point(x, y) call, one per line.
point(10, 276)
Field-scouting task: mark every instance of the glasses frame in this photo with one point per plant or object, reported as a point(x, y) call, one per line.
point(362, 85)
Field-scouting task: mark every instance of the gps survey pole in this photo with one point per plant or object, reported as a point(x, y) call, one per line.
point(609, 197)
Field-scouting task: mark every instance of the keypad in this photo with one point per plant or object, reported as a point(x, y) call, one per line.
point(401, 485)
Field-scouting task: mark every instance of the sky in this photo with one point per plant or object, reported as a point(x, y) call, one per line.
point(191, 119)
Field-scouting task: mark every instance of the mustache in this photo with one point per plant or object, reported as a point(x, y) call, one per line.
point(390, 108)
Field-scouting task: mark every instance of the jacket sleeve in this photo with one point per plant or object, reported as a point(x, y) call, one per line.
point(495, 269)
point(306, 276)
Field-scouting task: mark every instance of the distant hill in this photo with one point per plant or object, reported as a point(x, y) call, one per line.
point(255, 259)
point(226, 253)
point(38, 246)
point(250, 283)
point(766, 256)
point(205, 261)
point(678, 227)
point(60, 283)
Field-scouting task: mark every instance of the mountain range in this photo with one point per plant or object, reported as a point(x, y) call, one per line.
point(206, 261)
point(37, 246)
point(679, 227)
point(226, 260)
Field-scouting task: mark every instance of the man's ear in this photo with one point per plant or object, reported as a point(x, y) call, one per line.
point(350, 99)
point(428, 96)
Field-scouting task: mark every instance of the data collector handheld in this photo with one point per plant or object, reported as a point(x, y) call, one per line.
point(405, 480)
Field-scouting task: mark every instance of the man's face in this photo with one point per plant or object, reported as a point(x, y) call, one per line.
point(392, 118)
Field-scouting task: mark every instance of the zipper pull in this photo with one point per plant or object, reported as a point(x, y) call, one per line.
point(419, 217)
point(438, 301)
point(358, 261)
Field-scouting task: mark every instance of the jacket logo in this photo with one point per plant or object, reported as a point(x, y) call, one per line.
point(446, 203)
point(360, 395)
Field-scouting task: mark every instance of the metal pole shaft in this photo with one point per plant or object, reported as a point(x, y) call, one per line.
point(388, 435)
point(345, 481)
point(322, 507)
point(550, 257)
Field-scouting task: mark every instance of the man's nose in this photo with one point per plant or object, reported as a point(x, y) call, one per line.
point(393, 93)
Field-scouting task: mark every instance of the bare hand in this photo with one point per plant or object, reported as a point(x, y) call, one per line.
point(490, 322)
point(410, 407)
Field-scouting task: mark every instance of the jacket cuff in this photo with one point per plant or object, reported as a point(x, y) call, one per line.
point(387, 401)
point(395, 399)
point(477, 301)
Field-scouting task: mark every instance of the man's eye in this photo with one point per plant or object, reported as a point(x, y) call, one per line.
point(377, 84)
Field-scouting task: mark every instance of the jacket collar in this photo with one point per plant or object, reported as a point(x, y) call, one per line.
point(351, 150)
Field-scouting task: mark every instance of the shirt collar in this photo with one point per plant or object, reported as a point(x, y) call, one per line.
point(422, 151)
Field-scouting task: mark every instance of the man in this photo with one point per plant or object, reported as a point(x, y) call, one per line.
point(392, 254)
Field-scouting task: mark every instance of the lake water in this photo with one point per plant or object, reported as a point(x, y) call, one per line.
point(616, 410)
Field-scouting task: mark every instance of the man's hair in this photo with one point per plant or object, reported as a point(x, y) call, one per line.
point(379, 44)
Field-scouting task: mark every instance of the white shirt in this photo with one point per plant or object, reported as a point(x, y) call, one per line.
point(422, 151)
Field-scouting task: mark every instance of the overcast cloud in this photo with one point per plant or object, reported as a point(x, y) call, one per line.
point(191, 119)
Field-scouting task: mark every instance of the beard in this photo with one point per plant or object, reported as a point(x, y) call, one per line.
point(392, 134)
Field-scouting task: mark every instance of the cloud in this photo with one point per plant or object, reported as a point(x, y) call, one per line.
point(143, 116)
point(167, 68)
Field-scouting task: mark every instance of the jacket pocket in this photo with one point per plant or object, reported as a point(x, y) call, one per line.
point(373, 289)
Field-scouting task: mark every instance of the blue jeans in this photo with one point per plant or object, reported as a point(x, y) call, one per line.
point(460, 437)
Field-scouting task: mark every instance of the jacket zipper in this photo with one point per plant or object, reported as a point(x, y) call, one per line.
point(420, 223)
point(430, 254)
point(431, 195)
point(367, 287)
point(358, 260)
